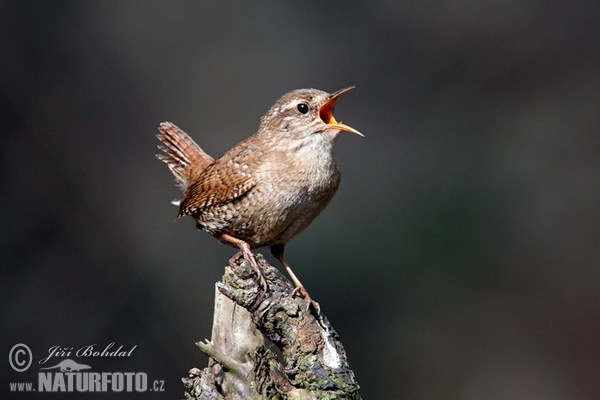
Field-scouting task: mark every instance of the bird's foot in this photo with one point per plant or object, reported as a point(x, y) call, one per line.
point(249, 258)
point(301, 292)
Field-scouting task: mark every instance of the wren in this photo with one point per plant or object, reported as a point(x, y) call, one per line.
point(269, 187)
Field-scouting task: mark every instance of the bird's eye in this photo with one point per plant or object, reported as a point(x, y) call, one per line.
point(303, 108)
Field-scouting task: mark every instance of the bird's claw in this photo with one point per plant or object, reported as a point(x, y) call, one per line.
point(249, 258)
point(301, 292)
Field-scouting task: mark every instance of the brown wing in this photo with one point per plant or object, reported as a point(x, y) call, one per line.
point(185, 158)
point(224, 180)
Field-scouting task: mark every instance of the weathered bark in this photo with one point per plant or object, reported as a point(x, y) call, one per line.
point(312, 364)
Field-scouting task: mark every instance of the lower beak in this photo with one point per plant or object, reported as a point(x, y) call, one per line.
point(326, 113)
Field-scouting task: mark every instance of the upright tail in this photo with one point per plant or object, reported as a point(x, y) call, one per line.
point(185, 158)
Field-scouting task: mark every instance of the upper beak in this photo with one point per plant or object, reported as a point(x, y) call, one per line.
point(326, 113)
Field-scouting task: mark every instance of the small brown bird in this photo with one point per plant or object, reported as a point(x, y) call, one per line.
point(268, 188)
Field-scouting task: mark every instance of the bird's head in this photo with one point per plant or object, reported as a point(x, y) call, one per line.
point(303, 113)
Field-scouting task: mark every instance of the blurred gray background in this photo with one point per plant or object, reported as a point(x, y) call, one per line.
point(460, 258)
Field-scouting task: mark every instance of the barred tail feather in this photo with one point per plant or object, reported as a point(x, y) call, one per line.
point(183, 156)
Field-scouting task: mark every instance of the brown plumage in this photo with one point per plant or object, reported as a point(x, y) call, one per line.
point(185, 158)
point(269, 187)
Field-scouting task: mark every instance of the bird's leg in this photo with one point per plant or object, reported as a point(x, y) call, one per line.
point(277, 251)
point(248, 256)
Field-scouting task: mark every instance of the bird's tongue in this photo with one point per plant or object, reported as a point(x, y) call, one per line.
point(326, 113)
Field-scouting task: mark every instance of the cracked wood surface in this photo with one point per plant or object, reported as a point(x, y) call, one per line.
point(312, 363)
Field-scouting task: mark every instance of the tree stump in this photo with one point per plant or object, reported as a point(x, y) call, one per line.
point(248, 320)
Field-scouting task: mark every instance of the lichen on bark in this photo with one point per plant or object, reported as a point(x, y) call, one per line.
point(313, 362)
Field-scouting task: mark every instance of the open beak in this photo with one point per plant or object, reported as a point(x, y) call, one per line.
point(326, 113)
